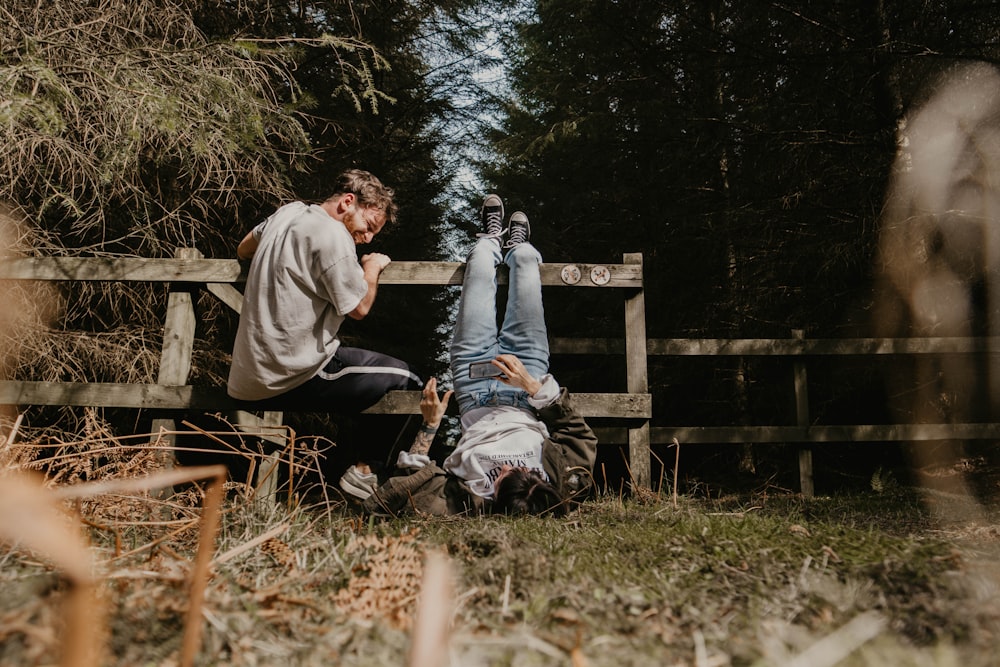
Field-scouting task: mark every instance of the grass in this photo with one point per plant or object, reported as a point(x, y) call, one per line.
point(731, 581)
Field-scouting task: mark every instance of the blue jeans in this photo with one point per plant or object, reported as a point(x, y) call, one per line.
point(523, 331)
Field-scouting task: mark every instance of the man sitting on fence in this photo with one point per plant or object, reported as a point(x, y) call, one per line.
point(524, 449)
point(304, 279)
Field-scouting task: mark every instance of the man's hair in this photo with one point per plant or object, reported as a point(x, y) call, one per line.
point(369, 190)
point(525, 491)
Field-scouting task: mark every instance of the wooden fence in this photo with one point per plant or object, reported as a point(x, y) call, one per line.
point(189, 272)
point(805, 431)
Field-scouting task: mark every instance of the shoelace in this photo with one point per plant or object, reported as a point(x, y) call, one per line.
point(517, 235)
point(493, 221)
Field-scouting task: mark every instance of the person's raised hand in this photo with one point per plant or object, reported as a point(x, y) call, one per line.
point(516, 375)
point(432, 406)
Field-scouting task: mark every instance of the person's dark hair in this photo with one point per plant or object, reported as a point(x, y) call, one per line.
point(525, 491)
point(369, 190)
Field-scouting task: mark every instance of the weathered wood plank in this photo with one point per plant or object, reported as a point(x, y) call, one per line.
point(800, 379)
point(621, 275)
point(818, 434)
point(707, 347)
point(819, 346)
point(721, 435)
point(636, 376)
point(178, 332)
point(227, 294)
point(625, 406)
point(123, 269)
point(232, 271)
point(423, 273)
point(587, 346)
point(167, 397)
point(178, 339)
point(178, 344)
point(266, 426)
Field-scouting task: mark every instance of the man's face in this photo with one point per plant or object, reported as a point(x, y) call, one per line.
point(363, 223)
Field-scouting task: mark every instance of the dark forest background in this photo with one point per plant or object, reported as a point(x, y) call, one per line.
point(743, 147)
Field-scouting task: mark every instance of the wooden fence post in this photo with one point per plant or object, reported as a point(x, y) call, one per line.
point(178, 344)
point(802, 419)
point(267, 428)
point(636, 376)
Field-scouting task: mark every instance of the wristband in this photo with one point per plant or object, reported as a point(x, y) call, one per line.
point(427, 428)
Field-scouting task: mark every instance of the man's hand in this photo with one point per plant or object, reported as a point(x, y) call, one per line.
point(433, 407)
point(516, 375)
point(372, 264)
point(375, 261)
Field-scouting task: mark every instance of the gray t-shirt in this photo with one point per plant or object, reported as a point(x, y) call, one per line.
point(304, 278)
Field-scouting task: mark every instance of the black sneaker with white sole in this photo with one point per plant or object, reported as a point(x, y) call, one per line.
point(518, 230)
point(492, 217)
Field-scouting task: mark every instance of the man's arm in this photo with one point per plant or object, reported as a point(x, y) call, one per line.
point(247, 247)
point(373, 264)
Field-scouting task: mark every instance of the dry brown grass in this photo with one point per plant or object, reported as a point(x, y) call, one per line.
point(34, 522)
point(385, 580)
point(113, 490)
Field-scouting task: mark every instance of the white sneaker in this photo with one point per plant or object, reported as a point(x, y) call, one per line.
point(359, 484)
